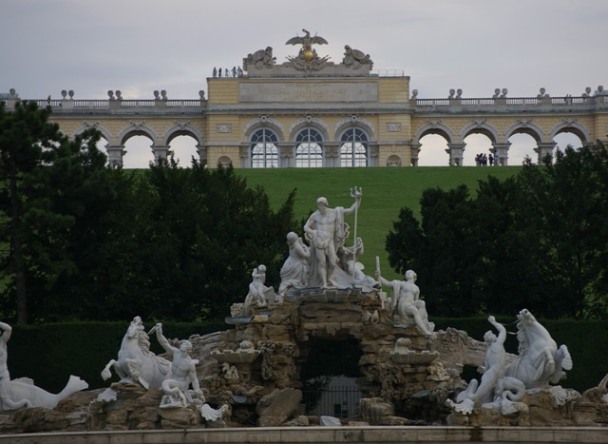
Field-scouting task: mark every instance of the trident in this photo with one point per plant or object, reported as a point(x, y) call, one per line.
point(354, 192)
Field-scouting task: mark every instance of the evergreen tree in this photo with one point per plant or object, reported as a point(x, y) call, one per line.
point(538, 241)
point(28, 143)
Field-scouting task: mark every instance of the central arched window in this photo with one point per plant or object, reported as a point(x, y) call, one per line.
point(264, 149)
point(353, 148)
point(309, 149)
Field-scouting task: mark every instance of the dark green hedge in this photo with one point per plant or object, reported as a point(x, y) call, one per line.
point(49, 353)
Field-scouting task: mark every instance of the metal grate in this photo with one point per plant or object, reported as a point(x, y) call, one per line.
point(337, 401)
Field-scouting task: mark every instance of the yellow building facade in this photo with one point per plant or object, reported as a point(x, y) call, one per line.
point(310, 112)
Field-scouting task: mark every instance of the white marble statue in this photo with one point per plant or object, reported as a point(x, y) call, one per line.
point(294, 272)
point(407, 306)
point(492, 371)
point(21, 392)
point(326, 232)
point(539, 361)
point(215, 416)
point(259, 294)
point(183, 374)
point(136, 363)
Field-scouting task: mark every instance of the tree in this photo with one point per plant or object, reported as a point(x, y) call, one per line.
point(538, 241)
point(27, 142)
point(566, 200)
point(207, 231)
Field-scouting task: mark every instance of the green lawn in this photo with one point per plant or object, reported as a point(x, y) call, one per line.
point(385, 192)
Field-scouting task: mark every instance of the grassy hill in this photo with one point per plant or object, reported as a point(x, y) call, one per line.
point(385, 192)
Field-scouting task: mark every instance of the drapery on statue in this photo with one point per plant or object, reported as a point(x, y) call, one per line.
point(294, 272)
point(407, 305)
point(326, 232)
point(22, 392)
point(136, 363)
point(259, 294)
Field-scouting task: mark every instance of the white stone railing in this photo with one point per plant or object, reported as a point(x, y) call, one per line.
point(558, 104)
point(517, 102)
point(165, 106)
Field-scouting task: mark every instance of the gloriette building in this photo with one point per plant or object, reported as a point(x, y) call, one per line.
point(308, 111)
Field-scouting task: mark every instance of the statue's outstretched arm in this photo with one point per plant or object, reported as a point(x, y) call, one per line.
point(7, 330)
point(502, 331)
point(164, 343)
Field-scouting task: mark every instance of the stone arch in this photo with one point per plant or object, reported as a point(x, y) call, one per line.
point(136, 129)
point(525, 127)
point(182, 129)
point(105, 133)
point(255, 124)
point(351, 122)
point(481, 127)
point(224, 162)
point(572, 126)
point(308, 122)
point(393, 161)
point(435, 128)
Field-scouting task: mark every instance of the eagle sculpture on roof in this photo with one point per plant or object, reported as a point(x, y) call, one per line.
point(307, 54)
point(306, 41)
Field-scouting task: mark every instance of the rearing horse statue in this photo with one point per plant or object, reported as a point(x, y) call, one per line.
point(540, 361)
point(136, 363)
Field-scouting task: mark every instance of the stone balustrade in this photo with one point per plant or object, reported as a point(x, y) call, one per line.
point(444, 105)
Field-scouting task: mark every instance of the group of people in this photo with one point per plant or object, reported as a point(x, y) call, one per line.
point(483, 159)
point(236, 71)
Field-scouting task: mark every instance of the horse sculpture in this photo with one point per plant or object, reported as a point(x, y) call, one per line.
point(136, 363)
point(540, 361)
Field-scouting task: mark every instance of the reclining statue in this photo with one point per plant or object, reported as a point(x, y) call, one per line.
point(22, 392)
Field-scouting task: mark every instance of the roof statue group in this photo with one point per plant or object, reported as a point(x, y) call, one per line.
point(307, 59)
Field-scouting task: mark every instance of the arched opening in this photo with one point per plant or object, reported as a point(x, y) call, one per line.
point(522, 148)
point(101, 145)
point(477, 150)
point(354, 148)
point(309, 149)
point(565, 139)
point(432, 151)
point(183, 148)
point(264, 149)
point(329, 377)
point(224, 162)
point(138, 152)
point(393, 161)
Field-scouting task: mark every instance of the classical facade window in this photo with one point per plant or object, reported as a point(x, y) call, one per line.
point(354, 148)
point(264, 149)
point(309, 149)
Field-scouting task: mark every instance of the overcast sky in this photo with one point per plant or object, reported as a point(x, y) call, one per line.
point(138, 46)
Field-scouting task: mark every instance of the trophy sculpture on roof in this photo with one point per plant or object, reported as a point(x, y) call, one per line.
point(307, 59)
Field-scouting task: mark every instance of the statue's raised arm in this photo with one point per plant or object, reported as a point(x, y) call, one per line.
point(355, 193)
point(7, 331)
